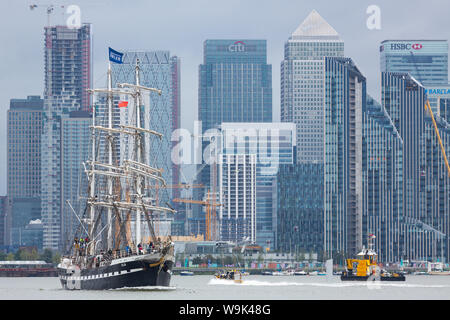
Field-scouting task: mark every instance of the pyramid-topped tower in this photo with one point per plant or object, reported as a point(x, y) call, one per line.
point(314, 26)
point(302, 102)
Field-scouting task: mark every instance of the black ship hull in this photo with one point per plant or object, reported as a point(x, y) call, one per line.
point(137, 271)
point(366, 278)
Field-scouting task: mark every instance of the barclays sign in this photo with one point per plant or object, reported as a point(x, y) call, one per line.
point(438, 91)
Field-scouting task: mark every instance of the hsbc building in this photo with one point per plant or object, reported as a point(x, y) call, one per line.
point(425, 60)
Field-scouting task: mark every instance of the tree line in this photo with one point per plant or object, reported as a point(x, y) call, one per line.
point(27, 254)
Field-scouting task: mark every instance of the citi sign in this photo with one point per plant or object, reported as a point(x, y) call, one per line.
point(238, 46)
point(406, 46)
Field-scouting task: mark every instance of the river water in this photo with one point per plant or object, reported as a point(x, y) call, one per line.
point(255, 287)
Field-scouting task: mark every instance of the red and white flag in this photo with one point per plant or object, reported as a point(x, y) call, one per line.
point(123, 104)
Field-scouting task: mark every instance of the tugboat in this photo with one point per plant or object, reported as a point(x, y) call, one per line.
point(105, 254)
point(365, 268)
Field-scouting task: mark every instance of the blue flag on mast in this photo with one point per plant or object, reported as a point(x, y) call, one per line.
point(115, 56)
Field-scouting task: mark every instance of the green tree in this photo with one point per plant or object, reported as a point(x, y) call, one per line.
point(17, 255)
point(260, 258)
point(228, 260)
point(28, 254)
point(10, 256)
point(56, 258)
point(197, 260)
point(47, 255)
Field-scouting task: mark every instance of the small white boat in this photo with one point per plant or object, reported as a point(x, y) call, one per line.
point(186, 273)
point(300, 273)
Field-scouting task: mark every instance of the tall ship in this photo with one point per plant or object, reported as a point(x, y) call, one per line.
point(110, 249)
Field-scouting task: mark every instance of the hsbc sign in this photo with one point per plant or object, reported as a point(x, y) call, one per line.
point(406, 46)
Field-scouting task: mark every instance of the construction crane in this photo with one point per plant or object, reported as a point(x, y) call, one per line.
point(209, 204)
point(428, 107)
point(49, 8)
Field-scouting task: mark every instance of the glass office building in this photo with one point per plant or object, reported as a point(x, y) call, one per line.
point(68, 73)
point(382, 181)
point(302, 86)
point(160, 70)
point(25, 122)
point(235, 85)
point(435, 188)
point(273, 144)
point(5, 221)
point(237, 213)
point(403, 98)
point(424, 224)
point(300, 207)
point(435, 94)
point(75, 149)
point(424, 60)
point(344, 100)
point(25, 118)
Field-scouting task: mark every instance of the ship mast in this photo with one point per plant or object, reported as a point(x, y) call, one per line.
point(139, 147)
point(93, 201)
point(135, 169)
point(110, 150)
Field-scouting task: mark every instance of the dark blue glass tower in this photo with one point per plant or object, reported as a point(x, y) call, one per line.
point(235, 85)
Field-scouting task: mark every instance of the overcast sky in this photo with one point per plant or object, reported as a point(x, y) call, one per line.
point(181, 26)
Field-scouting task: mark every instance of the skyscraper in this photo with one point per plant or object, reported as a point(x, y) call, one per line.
point(415, 71)
point(5, 208)
point(300, 203)
point(68, 74)
point(25, 121)
point(424, 221)
point(273, 144)
point(237, 217)
point(302, 87)
point(235, 85)
point(160, 70)
point(75, 149)
point(403, 98)
point(382, 181)
point(344, 100)
point(24, 143)
point(424, 60)
point(303, 103)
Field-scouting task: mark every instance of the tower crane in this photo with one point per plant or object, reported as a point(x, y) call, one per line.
point(428, 107)
point(49, 8)
point(210, 204)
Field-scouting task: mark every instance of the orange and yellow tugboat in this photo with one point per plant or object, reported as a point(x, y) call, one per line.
point(365, 268)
